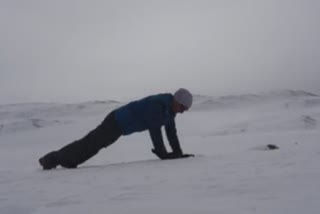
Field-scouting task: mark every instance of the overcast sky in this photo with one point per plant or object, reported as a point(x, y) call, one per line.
point(75, 50)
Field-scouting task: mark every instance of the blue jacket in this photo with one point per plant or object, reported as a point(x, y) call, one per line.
point(150, 113)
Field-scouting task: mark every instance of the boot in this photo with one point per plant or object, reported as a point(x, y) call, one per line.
point(49, 161)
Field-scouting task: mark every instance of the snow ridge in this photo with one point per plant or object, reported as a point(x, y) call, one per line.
point(30, 116)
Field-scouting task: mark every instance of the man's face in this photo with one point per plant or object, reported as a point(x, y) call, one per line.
point(179, 108)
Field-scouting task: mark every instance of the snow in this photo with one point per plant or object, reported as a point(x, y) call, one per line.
point(233, 171)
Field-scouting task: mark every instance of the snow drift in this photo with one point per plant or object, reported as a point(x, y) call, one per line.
point(232, 172)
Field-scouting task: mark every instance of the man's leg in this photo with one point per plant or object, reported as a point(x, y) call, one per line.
point(81, 150)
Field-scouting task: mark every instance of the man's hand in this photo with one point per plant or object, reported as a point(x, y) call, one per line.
point(187, 155)
point(160, 155)
point(171, 155)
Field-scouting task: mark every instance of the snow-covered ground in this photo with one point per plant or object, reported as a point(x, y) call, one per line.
point(233, 171)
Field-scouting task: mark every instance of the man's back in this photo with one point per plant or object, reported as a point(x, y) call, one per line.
point(147, 113)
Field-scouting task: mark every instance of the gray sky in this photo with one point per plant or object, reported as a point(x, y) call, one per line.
point(75, 50)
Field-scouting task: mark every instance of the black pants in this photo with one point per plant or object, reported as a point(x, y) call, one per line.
point(81, 150)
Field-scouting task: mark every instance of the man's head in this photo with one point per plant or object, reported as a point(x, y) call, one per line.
point(182, 100)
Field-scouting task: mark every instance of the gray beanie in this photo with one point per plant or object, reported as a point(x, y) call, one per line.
point(184, 97)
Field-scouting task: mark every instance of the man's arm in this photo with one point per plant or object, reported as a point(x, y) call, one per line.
point(172, 136)
point(153, 117)
point(157, 140)
point(171, 133)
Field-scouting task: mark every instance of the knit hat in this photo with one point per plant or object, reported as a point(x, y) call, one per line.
point(184, 97)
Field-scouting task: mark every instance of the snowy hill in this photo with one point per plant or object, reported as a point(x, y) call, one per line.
point(233, 172)
point(23, 117)
point(248, 100)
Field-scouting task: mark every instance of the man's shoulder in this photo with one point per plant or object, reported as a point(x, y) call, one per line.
point(164, 96)
point(164, 99)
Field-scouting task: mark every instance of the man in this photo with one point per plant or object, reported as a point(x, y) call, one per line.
point(150, 113)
